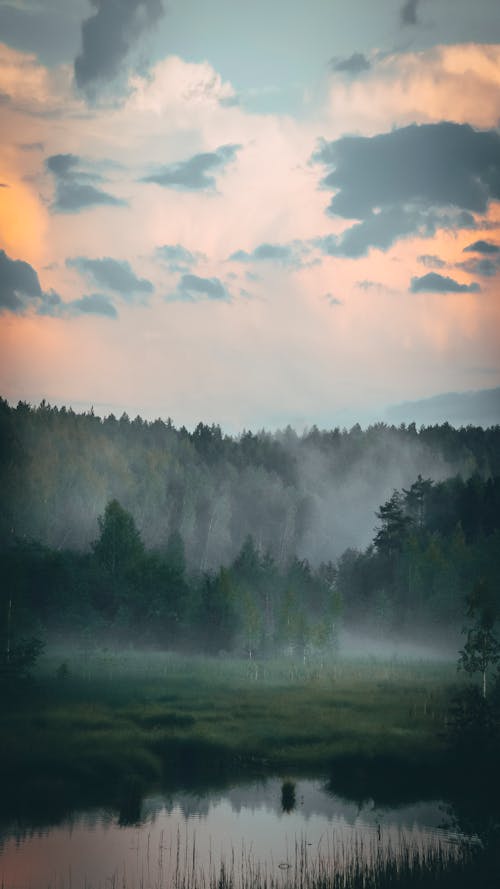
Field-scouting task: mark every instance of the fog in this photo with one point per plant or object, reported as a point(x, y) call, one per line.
point(395, 650)
point(311, 495)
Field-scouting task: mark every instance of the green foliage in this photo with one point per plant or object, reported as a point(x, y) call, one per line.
point(119, 546)
point(218, 617)
point(482, 648)
point(18, 661)
point(395, 526)
point(186, 503)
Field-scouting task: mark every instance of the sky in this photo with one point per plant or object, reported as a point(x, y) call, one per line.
point(250, 214)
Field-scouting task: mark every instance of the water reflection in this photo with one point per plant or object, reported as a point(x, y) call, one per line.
point(288, 799)
point(146, 841)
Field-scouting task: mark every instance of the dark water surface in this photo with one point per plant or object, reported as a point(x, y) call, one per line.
point(267, 824)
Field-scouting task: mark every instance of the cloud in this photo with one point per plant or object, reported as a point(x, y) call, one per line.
point(404, 182)
point(113, 274)
point(108, 35)
point(52, 305)
point(332, 300)
point(290, 255)
point(196, 173)
point(381, 229)
point(353, 65)
point(177, 258)
point(19, 284)
point(192, 288)
point(94, 304)
point(46, 31)
point(73, 186)
point(408, 12)
point(62, 164)
point(30, 87)
point(20, 292)
point(486, 247)
point(485, 267)
point(434, 283)
point(433, 164)
point(175, 86)
point(431, 262)
point(422, 86)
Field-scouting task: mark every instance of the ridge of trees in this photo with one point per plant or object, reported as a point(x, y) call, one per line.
point(312, 494)
point(416, 573)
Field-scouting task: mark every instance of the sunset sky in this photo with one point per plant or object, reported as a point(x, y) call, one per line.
point(253, 214)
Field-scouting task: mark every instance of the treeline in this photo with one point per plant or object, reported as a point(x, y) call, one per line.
point(201, 541)
point(311, 495)
point(121, 590)
point(433, 543)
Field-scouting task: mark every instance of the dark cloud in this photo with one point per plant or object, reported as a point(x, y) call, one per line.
point(52, 305)
point(486, 247)
point(353, 65)
point(74, 190)
point(434, 283)
point(408, 12)
point(72, 197)
point(108, 35)
point(485, 267)
point(47, 32)
point(62, 164)
point(432, 164)
point(20, 292)
point(19, 284)
point(191, 288)
point(4, 185)
point(381, 229)
point(405, 182)
point(279, 252)
point(178, 258)
point(113, 274)
point(94, 304)
point(431, 262)
point(196, 173)
point(292, 255)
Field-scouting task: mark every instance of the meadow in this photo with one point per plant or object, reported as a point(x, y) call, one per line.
point(104, 727)
point(114, 722)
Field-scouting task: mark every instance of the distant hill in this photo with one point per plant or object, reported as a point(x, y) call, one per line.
point(479, 408)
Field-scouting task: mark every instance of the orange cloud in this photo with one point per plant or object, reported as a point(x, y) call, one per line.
point(457, 83)
point(31, 86)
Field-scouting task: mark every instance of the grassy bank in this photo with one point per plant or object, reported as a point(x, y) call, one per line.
point(105, 720)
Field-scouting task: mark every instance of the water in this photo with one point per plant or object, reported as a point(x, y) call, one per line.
point(264, 823)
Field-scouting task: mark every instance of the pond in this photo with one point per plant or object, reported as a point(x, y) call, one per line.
point(276, 825)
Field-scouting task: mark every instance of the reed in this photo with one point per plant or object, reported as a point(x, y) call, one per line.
point(360, 863)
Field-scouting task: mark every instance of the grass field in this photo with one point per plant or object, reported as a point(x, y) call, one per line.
point(107, 720)
point(106, 727)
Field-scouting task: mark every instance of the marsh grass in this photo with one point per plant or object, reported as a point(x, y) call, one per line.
point(115, 717)
point(362, 862)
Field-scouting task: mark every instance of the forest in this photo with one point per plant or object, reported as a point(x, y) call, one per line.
point(197, 541)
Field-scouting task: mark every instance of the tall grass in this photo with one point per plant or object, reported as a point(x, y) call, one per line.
point(373, 863)
point(100, 719)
